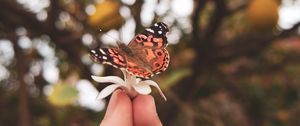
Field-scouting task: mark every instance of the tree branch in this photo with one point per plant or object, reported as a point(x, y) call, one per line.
point(216, 20)
point(22, 65)
point(195, 22)
point(249, 45)
point(66, 40)
point(241, 6)
point(135, 9)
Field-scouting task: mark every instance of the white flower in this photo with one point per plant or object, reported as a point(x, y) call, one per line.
point(132, 85)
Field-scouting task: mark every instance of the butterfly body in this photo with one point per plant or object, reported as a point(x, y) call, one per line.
point(144, 56)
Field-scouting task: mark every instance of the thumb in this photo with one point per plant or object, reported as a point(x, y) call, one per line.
point(119, 110)
point(144, 111)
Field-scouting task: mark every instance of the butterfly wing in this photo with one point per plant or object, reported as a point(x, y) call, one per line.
point(161, 61)
point(152, 37)
point(110, 56)
point(149, 55)
point(148, 62)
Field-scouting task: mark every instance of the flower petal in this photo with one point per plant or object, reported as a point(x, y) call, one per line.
point(153, 83)
point(138, 80)
point(109, 79)
point(107, 91)
point(142, 88)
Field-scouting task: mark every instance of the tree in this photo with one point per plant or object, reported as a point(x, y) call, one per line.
point(228, 68)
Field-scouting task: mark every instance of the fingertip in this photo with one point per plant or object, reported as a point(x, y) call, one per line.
point(117, 96)
point(144, 110)
point(145, 101)
point(119, 110)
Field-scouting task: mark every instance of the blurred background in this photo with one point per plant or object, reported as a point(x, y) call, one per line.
point(233, 62)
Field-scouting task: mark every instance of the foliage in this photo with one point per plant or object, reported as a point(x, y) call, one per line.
point(230, 63)
point(62, 95)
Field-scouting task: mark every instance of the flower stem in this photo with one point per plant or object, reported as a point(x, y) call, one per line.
point(129, 81)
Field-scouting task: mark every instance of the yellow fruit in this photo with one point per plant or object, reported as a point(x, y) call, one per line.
point(106, 16)
point(262, 14)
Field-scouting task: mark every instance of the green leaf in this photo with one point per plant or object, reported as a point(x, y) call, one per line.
point(174, 77)
point(63, 94)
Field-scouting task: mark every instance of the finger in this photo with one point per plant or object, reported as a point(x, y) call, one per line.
point(119, 110)
point(144, 111)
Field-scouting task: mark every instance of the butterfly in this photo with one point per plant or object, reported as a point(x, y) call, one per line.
point(144, 56)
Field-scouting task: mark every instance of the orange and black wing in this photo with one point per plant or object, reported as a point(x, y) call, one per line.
point(110, 56)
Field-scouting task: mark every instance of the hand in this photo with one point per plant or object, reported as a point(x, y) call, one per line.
point(121, 111)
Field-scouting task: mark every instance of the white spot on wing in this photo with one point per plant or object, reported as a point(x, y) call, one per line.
point(93, 51)
point(104, 57)
point(159, 32)
point(101, 50)
point(149, 30)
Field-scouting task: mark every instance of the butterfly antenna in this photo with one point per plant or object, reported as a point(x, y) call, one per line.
point(119, 42)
